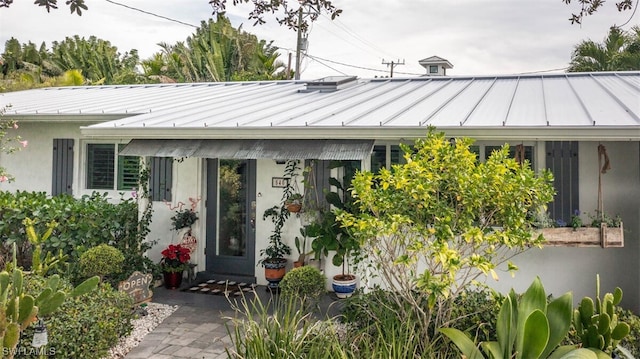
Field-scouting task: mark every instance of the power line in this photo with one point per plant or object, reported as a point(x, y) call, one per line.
point(632, 14)
point(152, 14)
point(541, 71)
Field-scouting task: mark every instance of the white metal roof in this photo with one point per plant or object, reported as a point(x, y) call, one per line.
point(582, 105)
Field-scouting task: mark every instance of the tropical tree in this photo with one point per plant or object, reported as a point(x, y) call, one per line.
point(215, 52)
point(431, 226)
point(620, 51)
point(97, 59)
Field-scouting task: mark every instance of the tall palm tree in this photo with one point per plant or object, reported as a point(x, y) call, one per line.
point(620, 51)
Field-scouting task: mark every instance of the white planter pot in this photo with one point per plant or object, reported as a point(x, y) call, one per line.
point(344, 287)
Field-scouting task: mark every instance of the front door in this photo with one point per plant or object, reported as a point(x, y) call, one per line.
point(231, 209)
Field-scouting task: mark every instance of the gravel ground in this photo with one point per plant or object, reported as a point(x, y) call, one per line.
point(156, 313)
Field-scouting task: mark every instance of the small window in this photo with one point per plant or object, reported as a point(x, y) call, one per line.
point(102, 162)
point(379, 158)
point(433, 69)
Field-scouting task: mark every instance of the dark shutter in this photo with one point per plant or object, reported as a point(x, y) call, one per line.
point(161, 178)
point(62, 174)
point(562, 161)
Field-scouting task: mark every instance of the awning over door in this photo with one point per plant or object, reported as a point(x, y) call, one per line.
point(252, 149)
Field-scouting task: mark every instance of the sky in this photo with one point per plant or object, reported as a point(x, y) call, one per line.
point(479, 37)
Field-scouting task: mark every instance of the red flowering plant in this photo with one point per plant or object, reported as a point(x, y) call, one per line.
point(175, 258)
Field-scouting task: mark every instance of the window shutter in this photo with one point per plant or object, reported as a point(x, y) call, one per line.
point(62, 174)
point(562, 161)
point(161, 178)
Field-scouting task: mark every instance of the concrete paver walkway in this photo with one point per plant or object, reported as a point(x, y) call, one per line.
point(196, 330)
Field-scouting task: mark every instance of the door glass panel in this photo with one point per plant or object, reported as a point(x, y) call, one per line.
point(232, 236)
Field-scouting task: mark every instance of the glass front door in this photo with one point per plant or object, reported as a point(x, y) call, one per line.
point(231, 217)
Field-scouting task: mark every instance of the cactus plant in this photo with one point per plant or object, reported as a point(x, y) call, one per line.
point(597, 323)
point(18, 309)
point(529, 328)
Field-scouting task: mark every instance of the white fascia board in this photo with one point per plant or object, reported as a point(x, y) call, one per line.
point(628, 133)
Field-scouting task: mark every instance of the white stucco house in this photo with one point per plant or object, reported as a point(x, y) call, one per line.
point(80, 139)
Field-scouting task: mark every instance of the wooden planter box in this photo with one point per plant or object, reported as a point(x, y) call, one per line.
point(584, 237)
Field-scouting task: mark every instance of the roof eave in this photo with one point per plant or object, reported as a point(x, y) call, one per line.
point(611, 133)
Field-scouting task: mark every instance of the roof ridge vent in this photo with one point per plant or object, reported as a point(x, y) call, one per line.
point(330, 83)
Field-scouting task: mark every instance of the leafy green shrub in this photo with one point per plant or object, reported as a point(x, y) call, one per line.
point(86, 326)
point(103, 260)
point(82, 223)
point(378, 313)
point(305, 283)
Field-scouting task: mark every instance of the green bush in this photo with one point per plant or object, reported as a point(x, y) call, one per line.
point(305, 283)
point(84, 327)
point(103, 260)
point(82, 224)
point(379, 314)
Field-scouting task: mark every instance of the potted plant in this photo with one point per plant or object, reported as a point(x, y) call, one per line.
point(273, 259)
point(183, 218)
point(294, 203)
point(603, 231)
point(330, 236)
point(175, 260)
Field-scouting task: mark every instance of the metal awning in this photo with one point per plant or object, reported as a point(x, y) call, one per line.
point(252, 149)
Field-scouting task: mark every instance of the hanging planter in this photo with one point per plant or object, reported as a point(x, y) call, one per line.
point(604, 236)
point(605, 232)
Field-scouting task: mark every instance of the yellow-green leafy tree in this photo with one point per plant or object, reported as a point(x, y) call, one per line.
point(434, 225)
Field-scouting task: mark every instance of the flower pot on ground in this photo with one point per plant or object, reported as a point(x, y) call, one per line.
point(274, 271)
point(344, 285)
point(175, 260)
point(172, 280)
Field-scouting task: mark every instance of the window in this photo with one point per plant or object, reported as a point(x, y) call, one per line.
point(433, 69)
point(102, 163)
point(385, 156)
point(528, 152)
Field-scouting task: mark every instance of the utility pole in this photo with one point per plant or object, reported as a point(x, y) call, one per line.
point(392, 64)
point(299, 45)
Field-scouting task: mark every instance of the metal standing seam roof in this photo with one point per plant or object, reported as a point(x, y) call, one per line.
point(553, 101)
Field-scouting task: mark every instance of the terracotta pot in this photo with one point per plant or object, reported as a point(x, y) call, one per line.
point(274, 271)
point(298, 264)
point(294, 207)
point(344, 285)
point(172, 280)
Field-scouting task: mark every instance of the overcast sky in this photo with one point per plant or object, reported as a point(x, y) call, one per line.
point(478, 37)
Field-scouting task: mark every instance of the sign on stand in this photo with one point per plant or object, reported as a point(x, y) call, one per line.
point(138, 286)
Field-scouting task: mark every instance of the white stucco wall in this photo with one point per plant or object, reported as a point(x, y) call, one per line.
point(32, 165)
point(575, 269)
